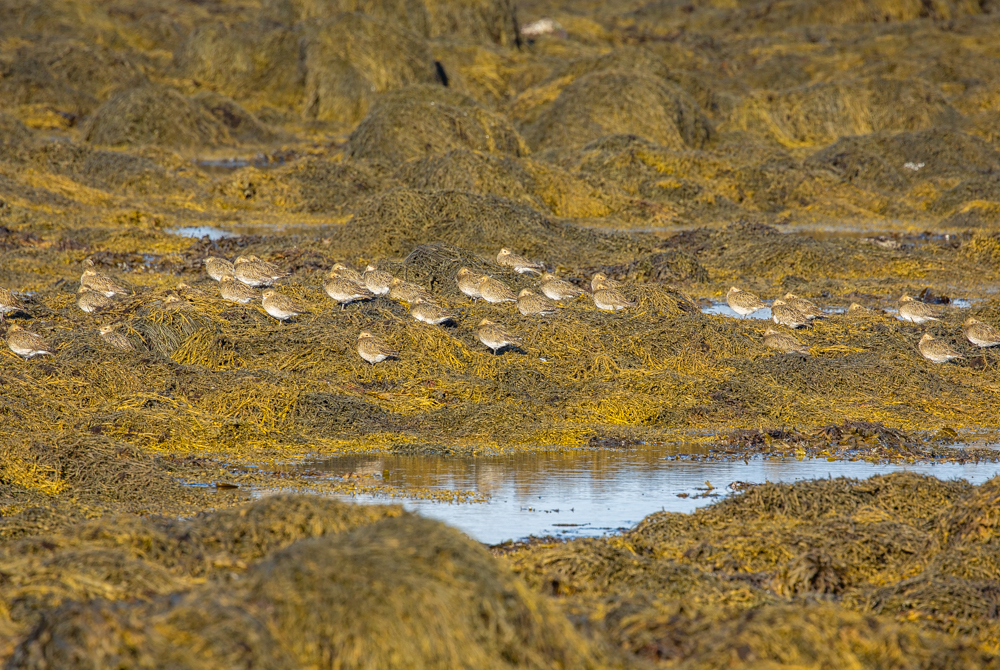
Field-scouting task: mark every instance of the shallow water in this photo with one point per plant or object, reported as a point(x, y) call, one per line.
point(588, 493)
point(723, 309)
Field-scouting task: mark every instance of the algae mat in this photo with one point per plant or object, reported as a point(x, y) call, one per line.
point(670, 146)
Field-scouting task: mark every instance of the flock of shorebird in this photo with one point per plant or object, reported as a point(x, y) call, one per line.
point(238, 281)
point(795, 312)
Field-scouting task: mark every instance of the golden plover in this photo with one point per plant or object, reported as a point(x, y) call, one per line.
point(468, 282)
point(235, 291)
point(936, 350)
point(111, 335)
point(784, 342)
point(101, 283)
point(280, 306)
point(495, 336)
point(217, 268)
point(743, 302)
point(559, 289)
point(373, 349)
point(377, 281)
point(255, 272)
point(917, 312)
point(91, 301)
point(507, 258)
point(600, 280)
point(611, 300)
point(428, 312)
point(8, 303)
point(807, 307)
point(530, 303)
point(404, 291)
point(26, 343)
point(345, 290)
point(495, 291)
point(784, 314)
point(341, 270)
point(981, 334)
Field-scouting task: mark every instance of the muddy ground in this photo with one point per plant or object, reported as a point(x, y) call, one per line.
point(844, 152)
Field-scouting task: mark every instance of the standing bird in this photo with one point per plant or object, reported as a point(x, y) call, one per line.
point(8, 303)
point(611, 300)
point(936, 350)
point(468, 283)
point(280, 306)
point(981, 334)
point(600, 280)
point(341, 270)
point(235, 291)
point(373, 349)
point(217, 268)
point(111, 335)
point(530, 303)
point(743, 302)
point(495, 291)
point(558, 289)
point(404, 291)
point(428, 312)
point(377, 281)
point(26, 343)
point(495, 336)
point(255, 272)
point(101, 283)
point(91, 301)
point(507, 258)
point(917, 312)
point(784, 343)
point(807, 307)
point(786, 315)
point(345, 291)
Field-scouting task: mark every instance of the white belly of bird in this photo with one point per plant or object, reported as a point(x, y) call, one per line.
point(27, 352)
point(600, 304)
point(741, 310)
point(279, 313)
point(555, 294)
point(432, 320)
point(912, 317)
point(344, 298)
point(377, 290)
point(255, 282)
point(372, 358)
point(980, 342)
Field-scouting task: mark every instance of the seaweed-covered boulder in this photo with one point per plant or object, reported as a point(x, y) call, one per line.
point(255, 62)
point(818, 114)
point(612, 102)
point(404, 591)
point(416, 121)
point(156, 115)
point(352, 57)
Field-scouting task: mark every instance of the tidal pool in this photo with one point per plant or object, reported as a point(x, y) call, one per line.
point(588, 493)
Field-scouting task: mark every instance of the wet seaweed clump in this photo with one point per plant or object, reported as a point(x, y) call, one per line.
point(399, 588)
point(827, 572)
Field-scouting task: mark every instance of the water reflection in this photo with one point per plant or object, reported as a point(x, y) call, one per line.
point(577, 493)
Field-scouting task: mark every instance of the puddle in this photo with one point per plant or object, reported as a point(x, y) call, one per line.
point(588, 493)
point(199, 232)
point(261, 161)
point(723, 309)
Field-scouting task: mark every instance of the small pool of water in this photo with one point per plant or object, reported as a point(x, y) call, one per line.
point(199, 232)
point(589, 493)
point(723, 309)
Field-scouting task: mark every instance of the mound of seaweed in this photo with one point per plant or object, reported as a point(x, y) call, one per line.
point(819, 114)
point(417, 121)
point(611, 102)
point(351, 58)
point(154, 115)
point(256, 62)
point(393, 223)
point(242, 126)
point(403, 588)
point(751, 573)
